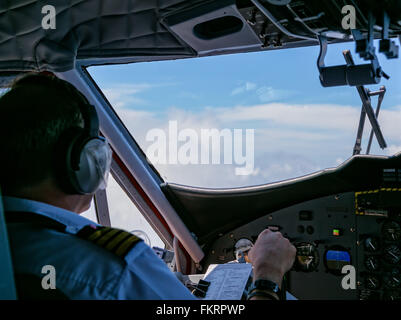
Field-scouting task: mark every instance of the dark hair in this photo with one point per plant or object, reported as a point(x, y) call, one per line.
point(33, 114)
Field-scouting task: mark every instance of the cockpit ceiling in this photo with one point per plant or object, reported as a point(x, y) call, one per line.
point(84, 29)
point(115, 31)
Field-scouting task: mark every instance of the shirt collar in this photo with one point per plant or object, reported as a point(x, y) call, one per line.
point(71, 220)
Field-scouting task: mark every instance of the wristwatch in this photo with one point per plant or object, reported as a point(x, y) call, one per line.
point(263, 285)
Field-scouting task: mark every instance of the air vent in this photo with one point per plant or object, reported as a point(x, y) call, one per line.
point(218, 27)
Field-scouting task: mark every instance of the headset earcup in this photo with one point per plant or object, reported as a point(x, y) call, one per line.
point(93, 164)
point(77, 161)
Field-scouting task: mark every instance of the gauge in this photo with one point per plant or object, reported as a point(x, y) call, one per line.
point(372, 263)
point(371, 244)
point(392, 279)
point(307, 258)
point(372, 282)
point(336, 258)
point(391, 230)
point(392, 254)
point(241, 248)
point(392, 296)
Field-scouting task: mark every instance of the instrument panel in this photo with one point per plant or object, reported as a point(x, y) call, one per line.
point(357, 229)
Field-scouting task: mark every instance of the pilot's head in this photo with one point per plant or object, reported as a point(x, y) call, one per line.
point(51, 150)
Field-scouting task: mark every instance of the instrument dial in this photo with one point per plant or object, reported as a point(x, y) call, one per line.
point(392, 254)
point(372, 282)
point(391, 230)
point(307, 258)
point(371, 244)
point(392, 279)
point(372, 263)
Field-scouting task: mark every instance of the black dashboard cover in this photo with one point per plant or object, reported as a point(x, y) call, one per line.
point(210, 212)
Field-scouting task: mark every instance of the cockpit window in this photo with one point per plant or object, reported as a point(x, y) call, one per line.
point(246, 119)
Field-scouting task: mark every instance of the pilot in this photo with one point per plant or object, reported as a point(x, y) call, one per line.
point(53, 161)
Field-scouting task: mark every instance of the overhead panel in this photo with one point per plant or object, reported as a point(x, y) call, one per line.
point(213, 26)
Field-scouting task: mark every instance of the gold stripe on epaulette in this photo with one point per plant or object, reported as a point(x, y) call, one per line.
point(108, 235)
point(117, 241)
point(96, 234)
point(123, 249)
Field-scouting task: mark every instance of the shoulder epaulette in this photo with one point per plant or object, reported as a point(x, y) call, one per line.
point(117, 241)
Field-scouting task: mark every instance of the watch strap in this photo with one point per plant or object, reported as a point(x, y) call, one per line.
point(267, 285)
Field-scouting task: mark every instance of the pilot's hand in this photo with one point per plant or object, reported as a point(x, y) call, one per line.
point(271, 256)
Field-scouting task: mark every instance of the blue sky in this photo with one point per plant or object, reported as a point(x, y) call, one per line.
point(300, 127)
point(292, 71)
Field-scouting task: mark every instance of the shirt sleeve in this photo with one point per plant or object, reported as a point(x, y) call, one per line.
point(146, 277)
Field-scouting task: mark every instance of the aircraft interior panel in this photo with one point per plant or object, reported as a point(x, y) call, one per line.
point(361, 229)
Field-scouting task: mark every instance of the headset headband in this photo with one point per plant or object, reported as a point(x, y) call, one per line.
point(91, 120)
point(88, 112)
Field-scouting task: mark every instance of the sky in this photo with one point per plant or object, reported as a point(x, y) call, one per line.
point(299, 126)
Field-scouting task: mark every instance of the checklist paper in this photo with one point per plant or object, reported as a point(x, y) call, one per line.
point(227, 281)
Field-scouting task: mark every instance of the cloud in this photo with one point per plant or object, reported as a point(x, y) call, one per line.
point(290, 139)
point(121, 95)
point(339, 161)
point(393, 149)
point(269, 94)
point(312, 116)
point(282, 131)
point(248, 86)
point(264, 93)
point(390, 120)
